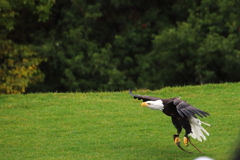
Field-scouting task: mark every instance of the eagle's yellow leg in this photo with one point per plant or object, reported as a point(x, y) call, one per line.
point(177, 142)
point(176, 139)
point(186, 140)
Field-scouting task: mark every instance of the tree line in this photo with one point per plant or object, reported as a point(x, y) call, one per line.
point(111, 45)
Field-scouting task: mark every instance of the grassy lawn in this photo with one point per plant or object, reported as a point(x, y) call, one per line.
point(112, 125)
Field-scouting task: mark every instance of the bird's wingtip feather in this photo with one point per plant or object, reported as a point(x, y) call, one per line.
point(130, 92)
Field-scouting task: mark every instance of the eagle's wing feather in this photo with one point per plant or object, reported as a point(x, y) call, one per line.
point(183, 108)
point(143, 98)
point(188, 113)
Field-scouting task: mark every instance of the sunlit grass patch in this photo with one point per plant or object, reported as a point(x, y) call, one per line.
point(111, 125)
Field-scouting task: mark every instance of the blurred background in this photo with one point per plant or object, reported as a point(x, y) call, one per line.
point(111, 45)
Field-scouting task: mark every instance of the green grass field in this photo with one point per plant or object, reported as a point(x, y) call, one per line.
point(112, 125)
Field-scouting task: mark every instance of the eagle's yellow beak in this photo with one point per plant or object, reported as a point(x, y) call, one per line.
point(144, 104)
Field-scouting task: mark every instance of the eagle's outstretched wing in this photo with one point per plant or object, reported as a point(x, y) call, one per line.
point(143, 98)
point(184, 108)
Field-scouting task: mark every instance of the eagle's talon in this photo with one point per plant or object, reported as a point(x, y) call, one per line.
point(177, 141)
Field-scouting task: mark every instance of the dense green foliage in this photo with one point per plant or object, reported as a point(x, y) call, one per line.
point(205, 48)
point(113, 45)
point(18, 61)
point(18, 67)
point(112, 125)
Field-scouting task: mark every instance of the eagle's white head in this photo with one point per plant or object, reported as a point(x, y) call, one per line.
point(156, 105)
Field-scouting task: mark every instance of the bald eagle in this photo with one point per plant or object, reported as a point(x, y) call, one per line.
point(183, 116)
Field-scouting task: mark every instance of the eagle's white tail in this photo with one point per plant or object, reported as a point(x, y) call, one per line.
point(197, 129)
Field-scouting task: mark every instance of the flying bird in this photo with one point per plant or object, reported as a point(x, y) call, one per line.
point(183, 115)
